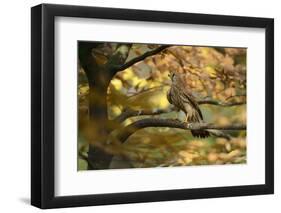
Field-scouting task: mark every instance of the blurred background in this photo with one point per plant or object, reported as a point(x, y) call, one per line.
point(215, 75)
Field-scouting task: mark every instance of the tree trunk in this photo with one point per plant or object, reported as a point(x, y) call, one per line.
point(98, 79)
point(101, 61)
point(98, 112)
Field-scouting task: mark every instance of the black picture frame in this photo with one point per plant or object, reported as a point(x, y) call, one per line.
point(43, 102)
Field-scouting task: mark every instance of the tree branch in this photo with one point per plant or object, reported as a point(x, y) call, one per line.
point(141, 57)
point(219, 103)
point(127, 131)
point(85, 158)
point(127, 113)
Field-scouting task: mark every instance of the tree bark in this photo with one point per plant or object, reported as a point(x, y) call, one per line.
point(98, 80)
point(99, 76)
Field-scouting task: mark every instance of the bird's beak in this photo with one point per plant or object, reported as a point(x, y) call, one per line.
point(170, 78)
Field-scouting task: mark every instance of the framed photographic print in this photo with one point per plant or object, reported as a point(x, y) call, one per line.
point(140, 106)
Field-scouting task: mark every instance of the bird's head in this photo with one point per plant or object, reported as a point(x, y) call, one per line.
point(175, 77)
point(171, 75)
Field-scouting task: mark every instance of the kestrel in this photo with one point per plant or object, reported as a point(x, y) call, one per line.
point(181, 97)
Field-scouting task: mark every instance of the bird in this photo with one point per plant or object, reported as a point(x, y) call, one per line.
point(181, 97)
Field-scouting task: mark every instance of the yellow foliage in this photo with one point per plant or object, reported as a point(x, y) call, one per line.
point(151, 99)
point(128, 74)
point(211, 71)
point(208, 74)
point(83, 90)
point(116, 83)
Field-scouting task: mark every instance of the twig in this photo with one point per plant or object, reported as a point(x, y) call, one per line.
point(146, 90)
point(127, 113)
point(127, 131)
point(85, 158)
point(141, 57)
point(219, 103)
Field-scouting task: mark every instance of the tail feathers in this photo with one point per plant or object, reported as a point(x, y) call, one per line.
point(200, 133)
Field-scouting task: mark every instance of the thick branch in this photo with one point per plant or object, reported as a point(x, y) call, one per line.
point(157, 122)
point(127, 113)
point(219, 103)
point(141, 57)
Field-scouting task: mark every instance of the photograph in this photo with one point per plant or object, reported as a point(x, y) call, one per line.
point(143, 105)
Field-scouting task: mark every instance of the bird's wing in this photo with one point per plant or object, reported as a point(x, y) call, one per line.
point(169, 97)
point(193, 104)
